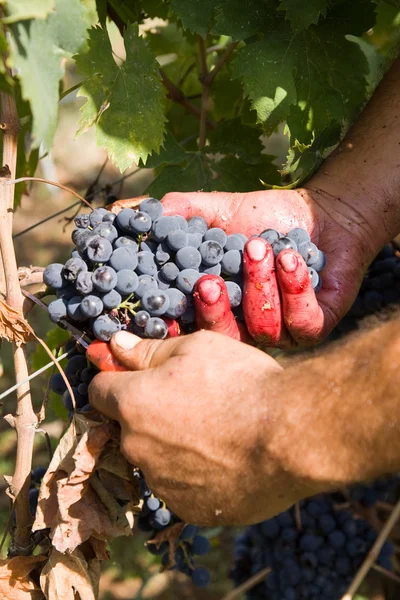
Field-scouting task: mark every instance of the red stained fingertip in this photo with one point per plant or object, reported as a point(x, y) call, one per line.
point(99, 353)
point(212, 306)
point(303, 316)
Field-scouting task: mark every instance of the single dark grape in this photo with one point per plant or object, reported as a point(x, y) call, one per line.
point(152, 207)
point(104, 279)
point(123, 258)
point(141, 318)
point(156, 302)
point(156, 328)
point(99, 250)
point(105, 326)
point(53, 276)
point(140, 222)
point(127, 282)
point(91, 306)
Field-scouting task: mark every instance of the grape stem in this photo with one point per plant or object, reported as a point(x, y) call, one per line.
point(129, 305)
point(25, 420)
point(41, 180)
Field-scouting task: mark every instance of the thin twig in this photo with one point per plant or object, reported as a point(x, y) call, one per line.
point(373, 553)
point(386, 573)
point(60, 212)
point(179, 97)
point(221, 61)
point(48, 182)
point(205, 93)
point(48, 443)
point(248, 585)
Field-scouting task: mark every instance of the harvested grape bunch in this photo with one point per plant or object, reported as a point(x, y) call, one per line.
point(137, 270)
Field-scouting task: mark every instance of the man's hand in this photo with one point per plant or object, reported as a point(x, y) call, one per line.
point(196, 417)
point(225, 436)
point(280, 305)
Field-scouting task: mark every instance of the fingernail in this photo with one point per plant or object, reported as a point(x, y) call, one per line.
point(125, 340)
point(209, 291)
point(288, 262)
point(256, 249)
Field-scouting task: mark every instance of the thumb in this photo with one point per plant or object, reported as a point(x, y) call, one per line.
point(137, 354)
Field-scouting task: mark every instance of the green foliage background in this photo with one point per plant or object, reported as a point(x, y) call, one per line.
point(310, 66)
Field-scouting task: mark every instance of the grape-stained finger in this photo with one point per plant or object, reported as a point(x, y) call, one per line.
point(261, 301)
point(302, 314)
point(212, 306)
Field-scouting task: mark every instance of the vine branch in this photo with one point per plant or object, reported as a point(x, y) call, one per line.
point(179, 97)
point(25, 420)
point(221, 61)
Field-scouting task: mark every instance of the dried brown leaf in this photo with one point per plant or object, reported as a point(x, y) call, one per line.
point(88, 517)
point(15, 581)
point(68, 503)
point(69, 471)
point(121, 488)
point(118, 205)
point(113, 461)
point(171, 536)
point(13, 326)
point(69, 577)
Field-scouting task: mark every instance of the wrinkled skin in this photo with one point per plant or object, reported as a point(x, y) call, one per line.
point(279, 304)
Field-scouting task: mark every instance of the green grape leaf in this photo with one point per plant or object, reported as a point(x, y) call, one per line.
point(266, 71)
point(194, 174)
point(232, 174)
point(124, 102)
point(171, 153)
point(303, 161)
point(204, 173)
point(38, 48)
point(304, 77)
point(227, 95)
point(395, 3)
point(327, 64)
point(195, 15)
point(241, 19)
point(303, 14)
point(18, 10)
point(232, 137)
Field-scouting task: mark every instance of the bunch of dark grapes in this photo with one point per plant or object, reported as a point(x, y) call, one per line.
point(380, 288)
point(314, 561)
